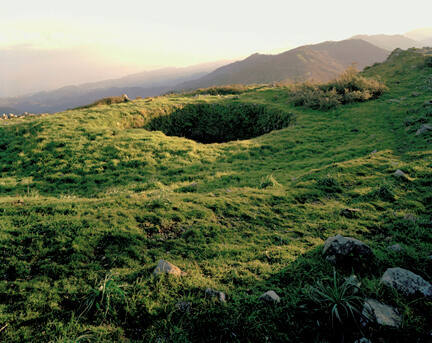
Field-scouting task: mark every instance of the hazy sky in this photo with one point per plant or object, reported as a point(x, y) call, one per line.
point(157, 33)
point(126, 36)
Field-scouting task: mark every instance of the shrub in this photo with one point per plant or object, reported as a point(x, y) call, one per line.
point(428, 61)
point(221, 90)
point(348, 88)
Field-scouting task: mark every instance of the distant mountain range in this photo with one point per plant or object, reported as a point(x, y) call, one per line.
point(319, 62)
point(149, 83)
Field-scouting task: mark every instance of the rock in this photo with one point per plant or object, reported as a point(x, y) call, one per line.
point(183, 306)
point(353, 280)
point(407, 282)
point(396, 248)
point(374, 152)
point(423, 129)
point(399, 173)
point(350, 212)
point(221, 296)
point(125, 98)
point(385, 315)
point(342, 250)
point(270, 297)
point(164, 267)
point(415, 94)
point(363, 340)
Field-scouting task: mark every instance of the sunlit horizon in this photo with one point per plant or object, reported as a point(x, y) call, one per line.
point(111, 39)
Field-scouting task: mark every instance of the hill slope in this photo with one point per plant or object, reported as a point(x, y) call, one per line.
point(390, 42)
point(320, 62)
point(91, 200)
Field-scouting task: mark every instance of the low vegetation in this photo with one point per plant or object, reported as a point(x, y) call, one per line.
point(221, 90)
point(91, 200)
point(350, 87)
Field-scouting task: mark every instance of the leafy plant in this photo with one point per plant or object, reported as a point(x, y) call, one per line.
point(339, 300)
point(100, 299)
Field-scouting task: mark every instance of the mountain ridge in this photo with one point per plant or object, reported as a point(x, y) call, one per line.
point(319, 62)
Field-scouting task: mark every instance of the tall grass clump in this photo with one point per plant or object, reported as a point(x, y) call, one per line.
point(350, 87)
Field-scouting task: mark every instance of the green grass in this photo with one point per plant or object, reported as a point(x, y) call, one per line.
point(91, 198)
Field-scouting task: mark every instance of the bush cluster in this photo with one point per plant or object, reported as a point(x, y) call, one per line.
point(348, 88)
point(221, 90)
point(216, 123)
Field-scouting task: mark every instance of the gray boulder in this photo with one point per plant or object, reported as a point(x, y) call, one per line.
point(407, 282)
point(423, 129)
point(399, 173)
point(164, 267)
point(381, 314)
point(270, 297)
point(221, 296)
point(346, 250)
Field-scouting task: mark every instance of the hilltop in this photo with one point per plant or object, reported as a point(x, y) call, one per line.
point(319, 62)
point(92, 198)
point(390, 42)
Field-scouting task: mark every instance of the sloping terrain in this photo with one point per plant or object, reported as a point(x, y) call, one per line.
point(319, 62)
point(90, 200)
point(390, 42)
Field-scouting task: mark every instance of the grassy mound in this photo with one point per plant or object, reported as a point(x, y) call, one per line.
point(90, 200)
point(216, 123)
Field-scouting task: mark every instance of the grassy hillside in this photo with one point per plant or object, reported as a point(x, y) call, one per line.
point(91, 199)
point(318, 62)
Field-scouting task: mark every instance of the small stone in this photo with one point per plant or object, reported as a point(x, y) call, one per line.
point(270, 297)
point(381, 314)
point(353, 280)
point(415, 94)
point(399, 173)
point(221, 296)
point(183, 306)
point(164, 267)
point(407, 282)
point(396, 248)
point(374, 152)
point(423, 129)
point(350, 212)
point(346, 250)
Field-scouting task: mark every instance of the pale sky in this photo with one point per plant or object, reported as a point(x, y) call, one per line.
point(184, 32)
point(112, 38)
